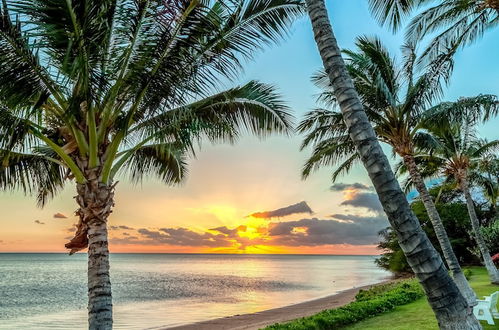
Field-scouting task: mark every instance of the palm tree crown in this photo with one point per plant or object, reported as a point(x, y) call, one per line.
point(92, 88)
point(394, 98)
point(450, 23)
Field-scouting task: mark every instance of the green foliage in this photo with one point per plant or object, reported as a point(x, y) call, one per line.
point(392, 258)
point(129, 85)
point(394, 96)
point(467, 273)
point(368, 303)
point(454, 214)
point(491, 236)
point(418, 315)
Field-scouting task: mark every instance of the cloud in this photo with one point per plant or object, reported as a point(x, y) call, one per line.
point(369, 201)
point(349, 186)
point(39, 222)
point(126, 240)
point(313, 232)
point(59, 216)
point(120, 227)
point(230, 232)
point(298, 208)
point(184, 237)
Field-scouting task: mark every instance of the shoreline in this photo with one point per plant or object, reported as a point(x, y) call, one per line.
point(258, 320)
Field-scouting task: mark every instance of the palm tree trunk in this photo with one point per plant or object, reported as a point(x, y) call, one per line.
point(450, 307)
point(438, 226)
point(96, 201)
point(475, 225)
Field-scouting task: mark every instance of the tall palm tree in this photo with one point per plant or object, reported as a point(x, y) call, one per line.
point(455, 22)
point(450, 307)
point(486, 176)
point(89, 89)
point(456, 152)
point(395, 99)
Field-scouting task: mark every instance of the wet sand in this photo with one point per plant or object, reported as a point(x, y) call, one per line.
point(268, 317)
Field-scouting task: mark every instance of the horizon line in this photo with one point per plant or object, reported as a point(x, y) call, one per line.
point(202, 253)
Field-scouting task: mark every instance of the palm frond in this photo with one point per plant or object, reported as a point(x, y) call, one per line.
point(254, 108)
point(392, 12)
point(167, 161)
point(31, 173)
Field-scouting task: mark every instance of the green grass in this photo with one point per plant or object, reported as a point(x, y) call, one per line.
point(368, 303)
point(418, 315)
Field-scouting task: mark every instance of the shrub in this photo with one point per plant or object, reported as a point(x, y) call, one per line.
point(467, 273)
point(368, 303)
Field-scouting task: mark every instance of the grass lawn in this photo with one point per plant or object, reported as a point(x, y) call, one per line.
point(418, 315)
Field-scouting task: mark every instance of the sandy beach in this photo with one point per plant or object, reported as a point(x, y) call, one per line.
point(259, 320)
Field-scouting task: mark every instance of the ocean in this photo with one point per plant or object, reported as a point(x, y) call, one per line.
point(48, 291)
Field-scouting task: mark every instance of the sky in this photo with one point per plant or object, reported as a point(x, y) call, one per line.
point(249, 197)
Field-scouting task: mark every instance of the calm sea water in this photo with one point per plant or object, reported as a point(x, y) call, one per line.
point(48, 291)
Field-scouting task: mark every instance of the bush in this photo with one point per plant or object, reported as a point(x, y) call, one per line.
point(467, 273)
point(368, 303)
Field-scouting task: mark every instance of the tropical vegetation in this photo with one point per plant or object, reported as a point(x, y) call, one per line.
point(456, 149)
point(454, 214)
point(368, 303)
point(395, 98)
point(449, 305)
point(92, 89)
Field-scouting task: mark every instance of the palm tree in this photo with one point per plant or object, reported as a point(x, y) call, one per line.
point(90, 89)
point(450, 307)
point(486, 176)
point(457, 152)
point(394, 100)
point(455, 22)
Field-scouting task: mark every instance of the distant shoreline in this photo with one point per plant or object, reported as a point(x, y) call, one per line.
point(258, 320)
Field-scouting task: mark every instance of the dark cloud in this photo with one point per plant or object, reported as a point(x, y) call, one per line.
point(125, 234)
point(39, 222)
point(229, 232)
point(121, 227)
point(298, 208)
point(184, 237)
point(60, 216)
point(369, 201)
point(127, 240)
point(71, 229)
point(349, 186)
point(353, 230)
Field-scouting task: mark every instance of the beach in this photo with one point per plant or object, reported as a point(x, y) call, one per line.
point(255, 321)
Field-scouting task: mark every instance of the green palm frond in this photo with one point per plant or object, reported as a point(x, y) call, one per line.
point(166, 161)
point(89, 85)
point(33, 174)
point(23, 81)
point(457, 24)
point(254, 108)
point(330, 152)
point(392, 12)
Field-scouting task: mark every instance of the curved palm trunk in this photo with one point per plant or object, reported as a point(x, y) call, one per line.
point(484, 251)
point(96, 201)
point(450, 307)
point(438, 226)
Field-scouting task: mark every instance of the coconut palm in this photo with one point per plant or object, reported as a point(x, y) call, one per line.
point(455, 22)
point(450, 307)
point(486, 176)
point(457, 152)
point(394, 99)
point(91, 89)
